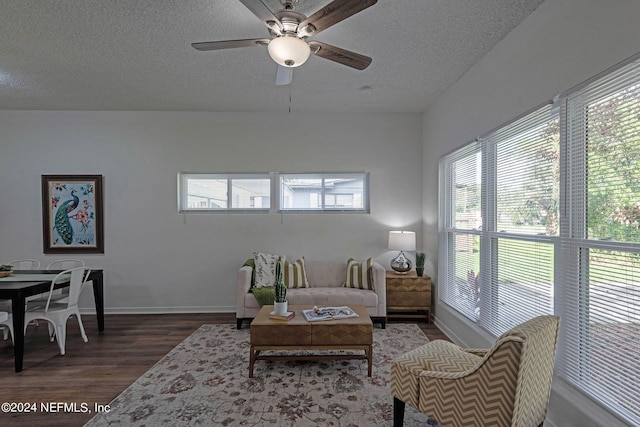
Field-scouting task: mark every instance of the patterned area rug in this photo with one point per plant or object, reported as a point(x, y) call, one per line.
point(204, 382)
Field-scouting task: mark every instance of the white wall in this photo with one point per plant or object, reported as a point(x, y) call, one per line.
point(561, 44)
point(159, 261)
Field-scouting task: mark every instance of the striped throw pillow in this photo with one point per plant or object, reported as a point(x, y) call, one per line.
point(294, 274)
point(359, 274)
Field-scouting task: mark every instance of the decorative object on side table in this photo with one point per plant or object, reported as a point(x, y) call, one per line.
point(280, 301)
point(6, 270)
point(402, 241)
point(420, 258)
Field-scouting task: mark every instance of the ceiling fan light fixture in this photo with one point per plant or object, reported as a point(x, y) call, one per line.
point(289, 51)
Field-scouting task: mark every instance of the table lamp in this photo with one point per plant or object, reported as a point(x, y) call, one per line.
point(402, 241)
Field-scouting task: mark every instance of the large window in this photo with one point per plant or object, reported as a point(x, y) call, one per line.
point(463, 223)
point(521, 208)
point(500, 211)
point(543, 216)
point(602, 240)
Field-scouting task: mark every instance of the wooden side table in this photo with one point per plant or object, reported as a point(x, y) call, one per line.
point(408, 295)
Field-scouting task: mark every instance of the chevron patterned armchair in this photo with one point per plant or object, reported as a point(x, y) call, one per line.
point(506, 385)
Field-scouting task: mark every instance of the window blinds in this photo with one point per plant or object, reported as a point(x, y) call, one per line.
point(521, 204)
point(459, 237)
point(559, 233)
point(601, 310)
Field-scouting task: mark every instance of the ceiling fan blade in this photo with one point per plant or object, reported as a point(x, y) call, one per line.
point(263, 13)
point(284, 75)
point(331, 14)
point(341, 56)
point(229, 44)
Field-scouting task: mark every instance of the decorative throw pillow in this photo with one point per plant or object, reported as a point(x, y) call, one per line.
point(359, 274)
point(294, 274)
point(265, 269)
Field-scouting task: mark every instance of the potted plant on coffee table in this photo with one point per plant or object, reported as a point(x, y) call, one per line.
point(280, 301)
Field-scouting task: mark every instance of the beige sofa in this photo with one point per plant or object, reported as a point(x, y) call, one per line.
point(325, 280)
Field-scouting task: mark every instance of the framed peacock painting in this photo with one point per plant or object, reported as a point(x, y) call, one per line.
point(72, 214)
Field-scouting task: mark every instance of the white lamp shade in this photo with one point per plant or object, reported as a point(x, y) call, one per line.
point(402, 240)
point(289, 51)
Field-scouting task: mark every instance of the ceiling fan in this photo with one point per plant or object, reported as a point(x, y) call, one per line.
point(289, 30)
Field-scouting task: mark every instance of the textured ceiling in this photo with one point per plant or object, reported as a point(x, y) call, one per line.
point(136, 55)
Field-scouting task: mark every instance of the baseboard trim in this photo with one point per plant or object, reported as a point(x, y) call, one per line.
point(160, 310)
point(448, 332)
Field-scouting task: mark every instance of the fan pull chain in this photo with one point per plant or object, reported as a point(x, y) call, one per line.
point(289, 98)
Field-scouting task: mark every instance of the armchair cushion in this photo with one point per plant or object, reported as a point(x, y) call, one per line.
point(438, 358)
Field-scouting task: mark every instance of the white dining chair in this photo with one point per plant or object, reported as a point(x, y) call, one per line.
point(60, 295)
point(57, 313)
point(18, 264)
point(6, 321)
point(25, 264)
point(65, 264)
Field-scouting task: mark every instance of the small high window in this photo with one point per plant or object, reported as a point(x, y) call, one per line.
point(224, 192)
point(324, 192)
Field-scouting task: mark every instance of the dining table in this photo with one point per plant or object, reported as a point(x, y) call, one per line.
point(25, 283)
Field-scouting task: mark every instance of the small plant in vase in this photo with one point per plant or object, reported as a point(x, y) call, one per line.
point(420, 257)
point(280, 302)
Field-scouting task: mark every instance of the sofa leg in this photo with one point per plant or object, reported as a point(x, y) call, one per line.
point(398, 412)
point(381, 320)
point(239, 324)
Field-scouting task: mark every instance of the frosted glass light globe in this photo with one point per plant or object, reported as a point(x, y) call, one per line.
point(289, 51)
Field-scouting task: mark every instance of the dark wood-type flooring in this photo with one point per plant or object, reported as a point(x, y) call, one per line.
point(97, 371)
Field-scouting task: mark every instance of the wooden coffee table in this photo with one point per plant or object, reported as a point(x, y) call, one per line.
point(298, 334)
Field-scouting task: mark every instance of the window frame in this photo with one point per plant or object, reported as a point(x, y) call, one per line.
point(485, 284)
point(183, 181)
point(451, 233)
point(580, 358)
point(323, 176)
point(584, 346)
point(275, 192)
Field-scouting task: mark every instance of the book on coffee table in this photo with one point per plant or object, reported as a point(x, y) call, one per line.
point(287, 316)
point(328, 313)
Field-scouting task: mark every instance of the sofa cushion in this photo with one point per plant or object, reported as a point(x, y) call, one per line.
point(333, 296)
point(322, 297)
point(359, 274)
point(325, 274)
point(265, 269)
point(295, 275)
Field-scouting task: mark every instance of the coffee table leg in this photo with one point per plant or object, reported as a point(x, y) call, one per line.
point(370, 358)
